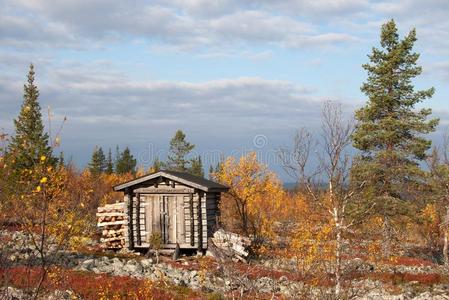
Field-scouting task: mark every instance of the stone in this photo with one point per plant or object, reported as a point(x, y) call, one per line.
point(88, 263)
point(146, 262)
point(61, 295)
point(131, 262)
point(10, 293)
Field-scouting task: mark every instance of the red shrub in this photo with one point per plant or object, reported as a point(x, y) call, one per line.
point(95, 286)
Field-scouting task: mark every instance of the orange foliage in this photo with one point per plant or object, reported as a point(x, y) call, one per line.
point(95, 286)
point(255, 198)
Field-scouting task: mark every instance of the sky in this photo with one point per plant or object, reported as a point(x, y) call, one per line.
point(234, 75)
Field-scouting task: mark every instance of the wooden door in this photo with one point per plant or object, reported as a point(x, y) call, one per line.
point(174, 225)
point(165, 215)
point(164, 202)
point(153, 218)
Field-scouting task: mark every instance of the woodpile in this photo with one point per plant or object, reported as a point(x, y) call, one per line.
point(228, 245)
point(111, 220)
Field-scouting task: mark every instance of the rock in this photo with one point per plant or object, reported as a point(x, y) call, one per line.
point(61, 295)
point(130, 268)
point(107, 268)
point(10, 293)
point(265, 285)
point(146, 262)
point(131, 262)
point(88, 263)
point(133, 269)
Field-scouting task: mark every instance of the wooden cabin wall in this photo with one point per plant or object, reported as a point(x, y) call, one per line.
point(185, 216)
point(212, 201)
point(141, 222)
point(191, 213)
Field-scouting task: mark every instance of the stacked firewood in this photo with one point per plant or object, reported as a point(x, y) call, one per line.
point(111, 220)
point(229, 245)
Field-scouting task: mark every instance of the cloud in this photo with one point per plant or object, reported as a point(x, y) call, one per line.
point(92, 94)
point(184, 25)
point(440, 68)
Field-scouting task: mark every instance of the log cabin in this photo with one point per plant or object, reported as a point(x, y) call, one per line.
point(182, 207)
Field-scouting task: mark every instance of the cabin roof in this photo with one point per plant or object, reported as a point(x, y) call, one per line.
point(181, 177)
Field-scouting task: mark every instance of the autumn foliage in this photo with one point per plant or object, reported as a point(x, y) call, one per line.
point(254, 201)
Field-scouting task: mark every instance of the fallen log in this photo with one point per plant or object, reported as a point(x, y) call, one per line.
point(112, 219)
point(111, 223)
point(226, 245)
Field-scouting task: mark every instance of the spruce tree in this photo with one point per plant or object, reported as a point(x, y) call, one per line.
point(179, 149)
point(97, 164)
point(157, 166)
point(61, 161)
point(197, 167)
point(390, 130)
point(109, 163)
point(126, 163)
point(30, 142)
point(211, 172)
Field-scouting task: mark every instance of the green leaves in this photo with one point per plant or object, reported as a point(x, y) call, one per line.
point(126, 163)
point(178, 160)
point(97, 164)
point(30, 141)
point(389, 130)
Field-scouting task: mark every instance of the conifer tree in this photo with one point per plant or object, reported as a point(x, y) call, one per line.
point(390, 131)
point(97, 164)
point(30, 142)
point(197, 167)
point(179, 149)
point(211, 172)
point(126, 163)
point(109, 163)
point(61, 160)
point(157, 165)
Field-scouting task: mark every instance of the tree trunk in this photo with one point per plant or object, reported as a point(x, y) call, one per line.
point(445, 255)
point(338, 247)
point(386, 233)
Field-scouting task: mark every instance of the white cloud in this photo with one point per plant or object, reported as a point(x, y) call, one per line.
point(89, 94)
point(177, 24)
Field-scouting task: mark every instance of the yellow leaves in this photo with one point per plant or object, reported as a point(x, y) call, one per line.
point(38, 188)
point(430, 214)
point(255, 196)
point(44, 180)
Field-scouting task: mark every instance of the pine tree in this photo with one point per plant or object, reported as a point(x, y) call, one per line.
point(157, 166)
point(197, 167)
point(109, 163)
point(61, 161)
point(30, 142)
point(389, 130)
point(97, 164)
point(177, 156)
point(126, 163)
point(211, 172)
